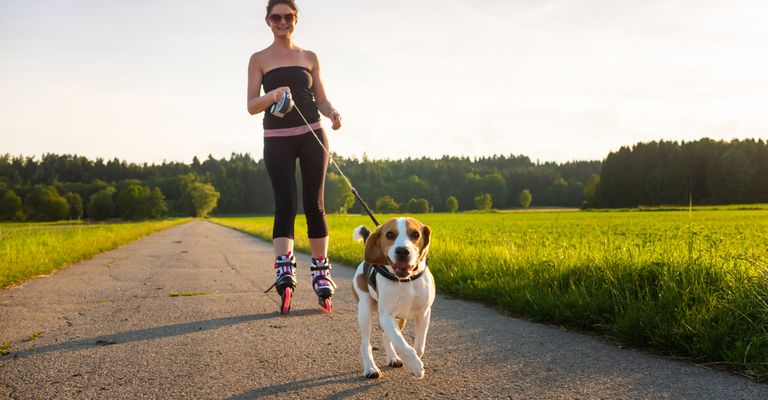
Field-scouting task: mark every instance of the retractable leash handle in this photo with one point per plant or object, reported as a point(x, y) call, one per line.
point(284, 106)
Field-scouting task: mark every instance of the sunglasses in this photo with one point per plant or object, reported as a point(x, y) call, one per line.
point(276, 18)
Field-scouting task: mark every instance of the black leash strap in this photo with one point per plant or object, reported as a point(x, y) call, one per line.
point(367, 210)
point(354, 191)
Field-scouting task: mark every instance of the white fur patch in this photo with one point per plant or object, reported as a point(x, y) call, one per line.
point(403, 240)
point(357, 234)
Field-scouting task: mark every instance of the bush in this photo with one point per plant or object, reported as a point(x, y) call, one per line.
point(451, 204)
point(418, 206)
point(483, 202)
point(131, 202)
point(338, 195)
point(44, 203)
point(155, 205)
point(204, 198)
point(590, 191)
point(75, 205)
point(197, 198)
point(11, 208)
point(525, 198)
point(387, 205)
point(100, 205)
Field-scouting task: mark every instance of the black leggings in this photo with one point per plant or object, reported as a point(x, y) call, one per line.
point(280, 155)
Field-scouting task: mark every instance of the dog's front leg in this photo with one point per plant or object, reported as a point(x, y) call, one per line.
point(364, 316)
point(392, 359)
point(410, 359)
point(421, 325)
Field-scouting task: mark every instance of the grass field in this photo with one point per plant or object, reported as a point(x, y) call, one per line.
point(31, 249)
point(694, 284)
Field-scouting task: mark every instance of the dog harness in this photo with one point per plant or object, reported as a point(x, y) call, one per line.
point(371, 270)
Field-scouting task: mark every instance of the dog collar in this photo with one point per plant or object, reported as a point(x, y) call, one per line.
point(382, 270)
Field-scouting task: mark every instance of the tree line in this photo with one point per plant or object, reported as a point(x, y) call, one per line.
point(59, 187)
point(655, 173)
point(460, 183)
point(240, 184)
point(703, 172)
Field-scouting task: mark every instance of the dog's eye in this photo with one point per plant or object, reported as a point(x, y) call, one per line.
point(415, 235)
point(390, 235)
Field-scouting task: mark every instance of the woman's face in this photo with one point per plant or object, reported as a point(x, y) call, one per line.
point(282, 20)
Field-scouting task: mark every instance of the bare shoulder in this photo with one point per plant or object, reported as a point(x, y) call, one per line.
point(257, 58)
point(311, 58)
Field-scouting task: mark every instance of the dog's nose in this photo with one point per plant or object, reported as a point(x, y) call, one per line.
point(402, 252)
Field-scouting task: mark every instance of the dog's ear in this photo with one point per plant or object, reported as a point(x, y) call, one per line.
point(426, 236)
point(373, 252)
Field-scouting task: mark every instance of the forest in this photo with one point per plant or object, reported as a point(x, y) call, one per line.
point(671, 173)
point(646, 174)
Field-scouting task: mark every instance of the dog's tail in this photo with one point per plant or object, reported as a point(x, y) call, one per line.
point(361, 233)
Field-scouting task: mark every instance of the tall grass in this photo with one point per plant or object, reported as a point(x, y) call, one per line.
point(694, 284)
point(31, 249)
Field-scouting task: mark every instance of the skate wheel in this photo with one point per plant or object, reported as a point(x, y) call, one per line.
point(325, 306)
point(286, 301)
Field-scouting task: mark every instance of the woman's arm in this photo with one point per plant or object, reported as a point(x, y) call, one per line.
point(323, 104)
point(257, 103)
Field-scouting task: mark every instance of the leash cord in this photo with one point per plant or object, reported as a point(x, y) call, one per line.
point(354, 191)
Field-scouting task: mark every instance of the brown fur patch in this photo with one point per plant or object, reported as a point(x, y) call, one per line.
point(376, 246)
point(362, 283)
point(401, 323)
point(425, 234)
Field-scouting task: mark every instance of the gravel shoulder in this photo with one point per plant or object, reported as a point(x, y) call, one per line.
point(108, 328)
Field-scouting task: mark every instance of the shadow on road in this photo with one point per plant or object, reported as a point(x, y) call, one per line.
point(299, 386)
point(154, 333)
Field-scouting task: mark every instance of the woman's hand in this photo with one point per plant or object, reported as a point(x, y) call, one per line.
point(335, 119)
point(278, 93)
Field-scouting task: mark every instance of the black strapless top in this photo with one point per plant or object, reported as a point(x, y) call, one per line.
point(299, 79)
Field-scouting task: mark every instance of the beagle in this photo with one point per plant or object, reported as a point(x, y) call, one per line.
point(394, 280)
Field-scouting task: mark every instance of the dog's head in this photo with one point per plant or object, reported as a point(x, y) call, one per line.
point(401, 244)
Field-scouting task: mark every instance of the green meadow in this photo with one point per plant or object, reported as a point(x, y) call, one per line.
point(32, 249)
point(687, 283)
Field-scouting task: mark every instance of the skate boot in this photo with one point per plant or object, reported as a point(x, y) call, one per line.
point(285, 280)
point(322, 283)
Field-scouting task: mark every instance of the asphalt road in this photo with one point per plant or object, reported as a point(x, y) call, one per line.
point(108, 328)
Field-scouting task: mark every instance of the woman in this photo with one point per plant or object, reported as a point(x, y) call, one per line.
point(282, 67)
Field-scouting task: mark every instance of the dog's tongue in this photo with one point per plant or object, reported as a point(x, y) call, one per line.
point(401, 266)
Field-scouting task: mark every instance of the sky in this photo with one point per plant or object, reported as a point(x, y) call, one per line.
point(555, 80)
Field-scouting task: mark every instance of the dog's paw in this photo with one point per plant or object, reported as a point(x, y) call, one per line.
point(372, 374)
point(415, 365)
point(393, 360)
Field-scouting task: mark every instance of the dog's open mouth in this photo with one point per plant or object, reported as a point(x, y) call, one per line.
point(401, 269)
